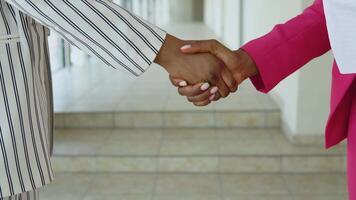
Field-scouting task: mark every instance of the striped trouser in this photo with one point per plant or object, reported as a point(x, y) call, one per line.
point(32, 195)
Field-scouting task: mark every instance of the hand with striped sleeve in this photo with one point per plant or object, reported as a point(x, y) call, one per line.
point(195, 68)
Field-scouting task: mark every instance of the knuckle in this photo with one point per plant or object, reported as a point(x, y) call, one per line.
point(180, 92)
point(213, 77)
point(191, 99)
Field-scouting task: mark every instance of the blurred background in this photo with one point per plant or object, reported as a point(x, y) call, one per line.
point(126, 138)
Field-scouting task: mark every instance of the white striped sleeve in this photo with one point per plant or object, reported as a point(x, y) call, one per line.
point(100, 28)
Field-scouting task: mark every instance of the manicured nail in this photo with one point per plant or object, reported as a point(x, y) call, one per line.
point(212, 97)
point(185, 47)
point(214, 90)
point(183, 84)
point(205, 86)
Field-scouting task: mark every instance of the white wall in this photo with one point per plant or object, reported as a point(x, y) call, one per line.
point(181, 11)
point(223, 17)
point(231, 23)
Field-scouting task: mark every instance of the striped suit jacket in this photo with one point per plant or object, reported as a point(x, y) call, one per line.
point(98, 27)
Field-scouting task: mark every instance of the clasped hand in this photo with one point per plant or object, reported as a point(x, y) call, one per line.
point(204, 71)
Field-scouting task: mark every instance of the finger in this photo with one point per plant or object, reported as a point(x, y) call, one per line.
point(194, 90)
point(178, 82)
point(203, 103)
point(215, 97)
point(223, 89)
point(204, 96)
point(229, 80)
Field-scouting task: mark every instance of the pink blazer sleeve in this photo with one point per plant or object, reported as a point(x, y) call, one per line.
point(289, 46)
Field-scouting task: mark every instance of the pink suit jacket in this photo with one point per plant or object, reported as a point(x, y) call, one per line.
point(290, 46)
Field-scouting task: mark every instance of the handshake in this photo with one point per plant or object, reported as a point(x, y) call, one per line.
point(204, 71)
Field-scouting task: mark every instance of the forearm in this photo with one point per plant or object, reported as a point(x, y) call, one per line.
point(288, 47)
point(247, 67)
point(100, 28)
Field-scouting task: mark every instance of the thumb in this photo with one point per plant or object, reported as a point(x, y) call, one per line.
point(214, 47)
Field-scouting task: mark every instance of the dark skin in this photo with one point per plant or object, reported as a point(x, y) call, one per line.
point(238, 62)
point(195, 68)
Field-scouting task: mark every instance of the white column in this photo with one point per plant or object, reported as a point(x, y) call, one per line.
point(162, 12)
point(181, 11)
point(231, 34)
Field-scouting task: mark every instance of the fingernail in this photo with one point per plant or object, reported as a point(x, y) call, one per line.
point(214, 90)
point(205, 86)
point(183, 83)
point(188, 46)
point(212, 97)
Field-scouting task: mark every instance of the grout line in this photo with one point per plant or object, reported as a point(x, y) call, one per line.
point(286, 185)
point(154, 192)
point(89, 185)
point(200, 156)
point(204, 173)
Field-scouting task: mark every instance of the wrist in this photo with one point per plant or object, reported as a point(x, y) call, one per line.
point(169, 48)
point(248, 67)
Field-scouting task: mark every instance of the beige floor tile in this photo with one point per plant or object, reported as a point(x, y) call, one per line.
point(89, 120)
point(58, 120)
point(126, 164)
point(247, 147)
point(115, 184)
point(117, 197)
point(137, 142)
point(193, 119)
point(240, 120)
point(69, 183)
point(138, 120)
point(287, 148)
point(317, 164)
point(315, 184)
point(140, 147)
point(273, 119)
point(136, 134)
point(193, 134)
point(80, 141)
point(254, 184)
point(182, 184)
point(243, 134)
point(247, 164)
point(188, 164)
point(257, 197)
point(188, 197)
point(60, 196)
point(189, 147)
point(74, 164)
point(320, 197)
point(246, 142)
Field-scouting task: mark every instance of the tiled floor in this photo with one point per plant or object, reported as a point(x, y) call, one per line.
point(81, 186)
point(190, 150)
point(150, 142)
point(100, 88)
